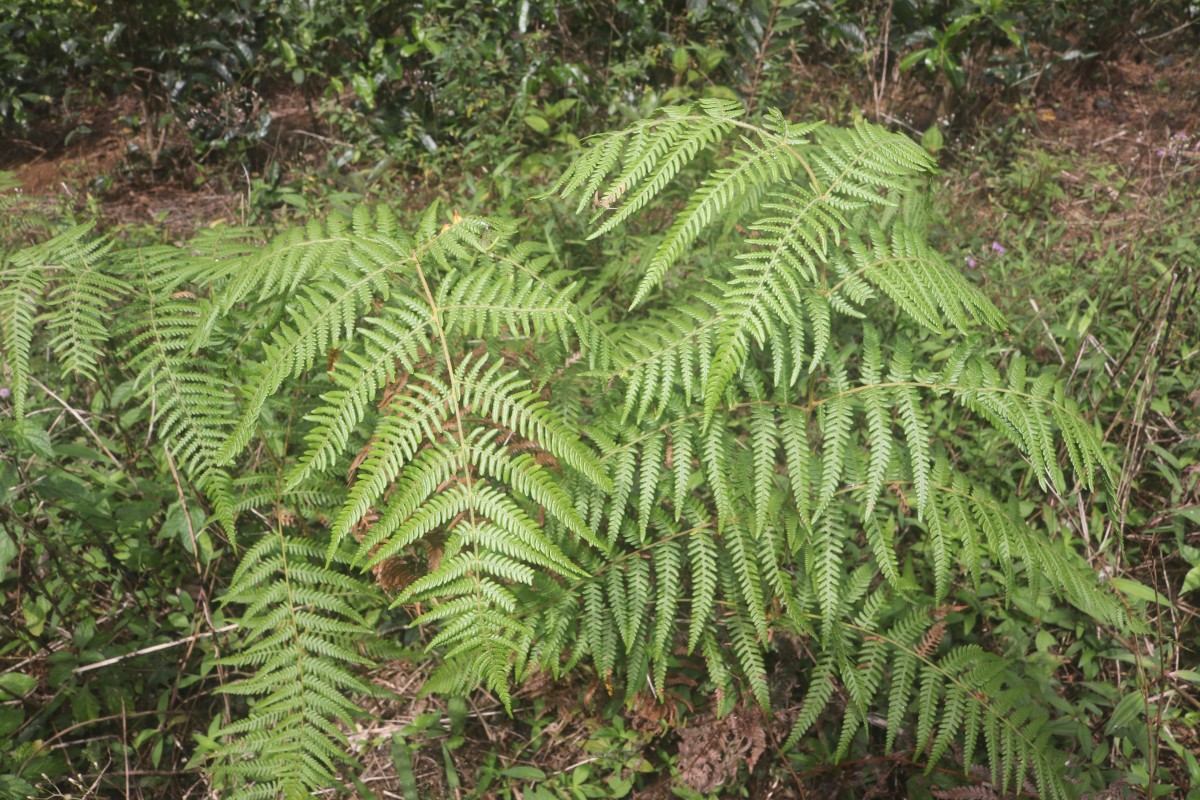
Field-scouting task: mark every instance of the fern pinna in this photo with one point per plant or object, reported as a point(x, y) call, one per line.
point(557, 467)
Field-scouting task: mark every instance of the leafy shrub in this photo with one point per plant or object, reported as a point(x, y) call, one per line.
point(746, 429)
point(192, 51)
point(966, 52)
point(468, 82)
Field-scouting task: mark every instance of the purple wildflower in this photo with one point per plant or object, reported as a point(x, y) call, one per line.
point(5, 393)
point(997, 247)
point(1162, 153)
point(971, 262)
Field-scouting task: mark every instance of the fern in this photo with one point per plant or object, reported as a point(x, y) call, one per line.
point(822, 424)
point(301, 635)
point(749, 453)
point(187, 393)
point(66, 277)
point(321, 313)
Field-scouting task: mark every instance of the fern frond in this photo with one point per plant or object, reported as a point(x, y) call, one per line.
point(903, 265)
point(505, 399)
point(879, 425)
point(1023, 414)
point(396, 337)
point(80, 306)
point(189, 393)
point(784, 283)
point(668, 566)
point(912, 421)
point(835, 426)
point(67, 278)
point(512, 294)
point(665, 355)
point(323, 315)
point(702, 566)
point(302, 637)
point(764, 430)
point(754, 167)
point(653, 152)
point(22, 284)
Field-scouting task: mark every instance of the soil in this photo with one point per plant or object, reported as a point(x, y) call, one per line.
point(136, 174)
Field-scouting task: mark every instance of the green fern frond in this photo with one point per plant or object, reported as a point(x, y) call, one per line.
point(1023, 414)
point(917, 278)
point(22, 284)
point(653, 152)
point(321, 316)
point(703, 554)
point(673, 353)
point(754, 167)
point(68, 279)
point(302, 637)
point(514, 293)
point(396, 337)
point(188, 392)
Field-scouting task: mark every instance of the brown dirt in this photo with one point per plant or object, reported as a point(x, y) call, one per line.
point(141, 175)
point(61, 155)
point(1140, 114)
point(1129, 129)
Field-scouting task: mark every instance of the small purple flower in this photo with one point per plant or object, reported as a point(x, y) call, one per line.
point(1162, 153)
point(998, 248)
point(971, 262)
point(1181, 136)
point(5, 393)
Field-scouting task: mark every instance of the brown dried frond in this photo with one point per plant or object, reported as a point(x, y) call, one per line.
point(714, 749)
point(434, 551)
point(931, 640)
point(544, 459)
point(364, 524)
point(395, 574)
point(358, 460)
point(651, 715)
point(941, 611)
point(980, 792)
point(452, 524)
point(392, 389)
